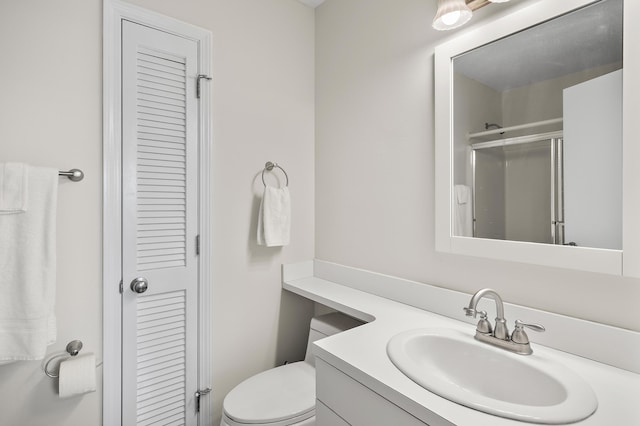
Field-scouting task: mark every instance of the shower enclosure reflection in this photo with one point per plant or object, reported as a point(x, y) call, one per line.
point(548, 169)
point(517, 189)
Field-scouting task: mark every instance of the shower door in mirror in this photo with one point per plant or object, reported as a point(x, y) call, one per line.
point(537, 133)
point(517, 189)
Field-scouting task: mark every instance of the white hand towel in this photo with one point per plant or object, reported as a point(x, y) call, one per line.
point(14, 178)
point(463, 225)
point(28, 271)
point(274, 217)
point(77, 375)
point(463, 193)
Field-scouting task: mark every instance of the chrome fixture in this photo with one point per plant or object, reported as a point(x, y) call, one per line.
point(269, 166)
point(73, 349)
point(500, 331)
point(75, 175)
point(517, 342)
point(198, 78)
point(139, 285)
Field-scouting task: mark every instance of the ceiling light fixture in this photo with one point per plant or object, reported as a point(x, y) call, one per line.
point(451, 14)
point(498, 1)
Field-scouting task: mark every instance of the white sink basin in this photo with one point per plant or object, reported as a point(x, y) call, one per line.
point(454, 365)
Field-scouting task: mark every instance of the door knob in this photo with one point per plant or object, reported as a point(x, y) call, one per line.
point(139, 285)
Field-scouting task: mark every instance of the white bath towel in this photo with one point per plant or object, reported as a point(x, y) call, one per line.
point(463, 225)
point(274, 217)
point(28, 271)
point(14, 179)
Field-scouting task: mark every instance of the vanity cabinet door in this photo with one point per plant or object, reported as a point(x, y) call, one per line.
point(326, 417)
point(354, 404)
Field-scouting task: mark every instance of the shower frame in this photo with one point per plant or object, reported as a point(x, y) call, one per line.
point(557, 176)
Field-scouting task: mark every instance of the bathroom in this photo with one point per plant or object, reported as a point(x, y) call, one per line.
point(342, 96)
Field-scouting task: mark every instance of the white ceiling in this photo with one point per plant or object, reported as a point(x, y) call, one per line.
point(584, 39)
point(312, 3)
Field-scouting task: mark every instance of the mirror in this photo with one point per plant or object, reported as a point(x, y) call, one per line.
point(540, 159)
point(529, 137)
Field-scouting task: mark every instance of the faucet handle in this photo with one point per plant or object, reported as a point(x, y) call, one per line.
point(470, 312)
point(535, 327)
point(484, 326)
point(519, 335)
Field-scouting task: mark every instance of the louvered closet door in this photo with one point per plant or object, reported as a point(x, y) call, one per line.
point(159, 225)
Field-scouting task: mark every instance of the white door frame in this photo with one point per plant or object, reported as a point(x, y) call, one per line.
point(114, 12)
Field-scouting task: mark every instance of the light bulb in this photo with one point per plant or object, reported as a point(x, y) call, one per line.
point(451, 14)
point(451, 17)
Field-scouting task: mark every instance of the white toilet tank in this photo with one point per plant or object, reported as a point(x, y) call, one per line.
point(326, 325)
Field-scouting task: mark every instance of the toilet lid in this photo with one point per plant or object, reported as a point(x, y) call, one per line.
point(274, 395)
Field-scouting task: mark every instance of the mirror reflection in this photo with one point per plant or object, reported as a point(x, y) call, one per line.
point(538, 133)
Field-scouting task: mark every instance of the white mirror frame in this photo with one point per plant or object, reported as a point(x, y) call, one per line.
point(618, 262)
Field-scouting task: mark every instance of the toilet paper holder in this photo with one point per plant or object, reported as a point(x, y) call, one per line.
point(73, 348)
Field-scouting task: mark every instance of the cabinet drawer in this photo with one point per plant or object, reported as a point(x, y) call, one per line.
point(354, 403)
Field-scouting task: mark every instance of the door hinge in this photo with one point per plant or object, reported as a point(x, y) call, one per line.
point(198, 79)
point(197, 245)
point(198, 395)
point(121, 290)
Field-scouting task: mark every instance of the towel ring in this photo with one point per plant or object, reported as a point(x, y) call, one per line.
point(269, 167)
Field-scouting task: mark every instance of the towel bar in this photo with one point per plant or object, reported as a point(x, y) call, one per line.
point(269, 166)
point(75, 175)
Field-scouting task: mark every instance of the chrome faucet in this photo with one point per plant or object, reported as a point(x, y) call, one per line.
point(500, 331)
point(517, 342)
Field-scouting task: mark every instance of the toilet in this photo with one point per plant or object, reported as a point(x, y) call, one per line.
point(285, 395)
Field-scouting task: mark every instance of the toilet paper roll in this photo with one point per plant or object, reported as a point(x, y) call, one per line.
point(77, 375)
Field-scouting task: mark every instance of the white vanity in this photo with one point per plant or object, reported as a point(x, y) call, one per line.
point(357, 384)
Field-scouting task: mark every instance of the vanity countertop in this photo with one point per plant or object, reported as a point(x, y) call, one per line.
point(361, 353)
